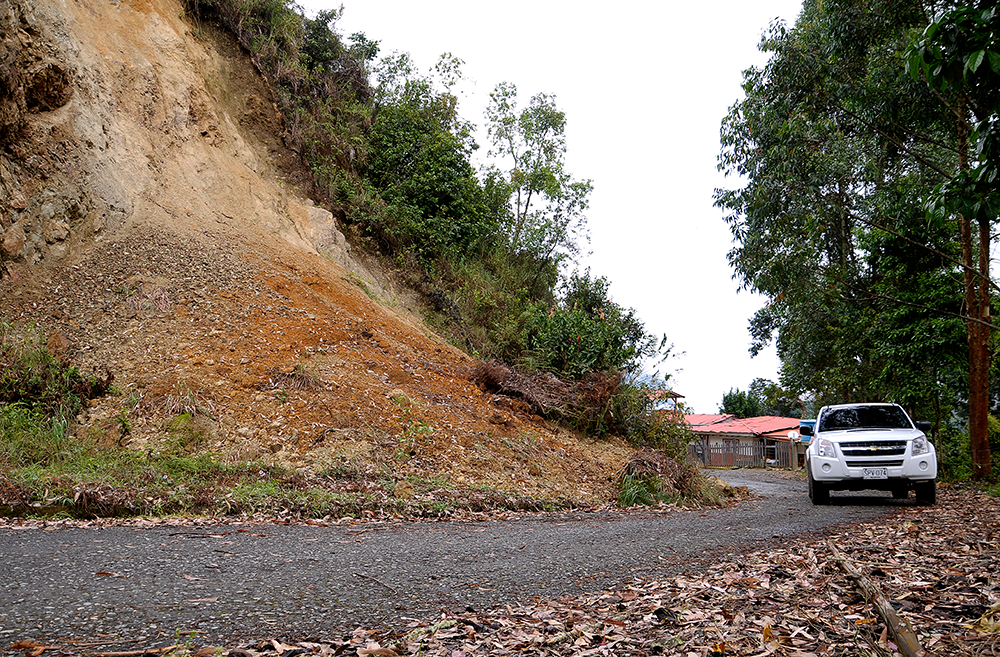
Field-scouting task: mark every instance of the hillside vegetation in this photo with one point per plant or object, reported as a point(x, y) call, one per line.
point(390, 152)
point(167, 251)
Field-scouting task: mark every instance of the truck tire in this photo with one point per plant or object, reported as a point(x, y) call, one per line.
point(818, 493)
point(926, 492)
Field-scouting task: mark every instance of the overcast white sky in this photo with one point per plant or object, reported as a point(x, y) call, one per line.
point(644, 86)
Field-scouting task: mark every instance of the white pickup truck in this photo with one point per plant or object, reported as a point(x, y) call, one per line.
point(870, 447)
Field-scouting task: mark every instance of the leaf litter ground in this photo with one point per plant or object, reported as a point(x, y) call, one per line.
point(937, 565)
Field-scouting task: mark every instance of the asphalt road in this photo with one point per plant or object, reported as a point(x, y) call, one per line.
point(140, 587)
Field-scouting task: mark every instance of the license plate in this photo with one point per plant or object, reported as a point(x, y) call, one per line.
point(875, 473)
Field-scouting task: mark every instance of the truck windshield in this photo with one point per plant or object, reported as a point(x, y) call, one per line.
point(865, 417)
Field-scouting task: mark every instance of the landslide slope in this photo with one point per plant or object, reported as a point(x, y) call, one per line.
point(155, 224)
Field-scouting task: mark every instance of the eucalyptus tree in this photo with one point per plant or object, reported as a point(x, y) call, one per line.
point(958, 56)
point(839, 148)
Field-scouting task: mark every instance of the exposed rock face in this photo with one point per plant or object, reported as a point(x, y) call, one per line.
point(39, 204)
point(116, 112)
point(12, 105)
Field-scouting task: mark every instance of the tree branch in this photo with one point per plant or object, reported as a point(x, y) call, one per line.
point(936, 252)
point(897, 143)
point(872, 295)
point(905, 638)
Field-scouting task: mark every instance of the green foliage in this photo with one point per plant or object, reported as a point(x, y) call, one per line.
point(636, 489)
point(764, 397)
point(649, 479)
point(435, 206)
point(185, 433)
point(28, 437)
point(635, 415)
point(776, 400)
point(958, 55)
point(322, 49)
point(954, 453)
point(490, 307)
point(588, 332)
point(838, 146)
point(31, 376)
point(546, 217)
point(741, 404)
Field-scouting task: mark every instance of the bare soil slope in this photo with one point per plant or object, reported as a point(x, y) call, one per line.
point(154, 223)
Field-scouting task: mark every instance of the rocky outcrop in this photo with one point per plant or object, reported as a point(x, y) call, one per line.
point(49, 186)
point(117, 114)
point(12, 104)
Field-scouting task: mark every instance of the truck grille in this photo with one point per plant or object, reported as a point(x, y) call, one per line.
point(874, 448)
point(874, 464)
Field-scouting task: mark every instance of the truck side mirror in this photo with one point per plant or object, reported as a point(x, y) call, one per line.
point(806, 429)
point(923, 425)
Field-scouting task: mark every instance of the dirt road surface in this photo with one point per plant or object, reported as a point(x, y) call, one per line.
point(128, 586)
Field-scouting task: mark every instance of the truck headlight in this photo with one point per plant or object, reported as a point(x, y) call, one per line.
point(825, 448)
point(921, 445)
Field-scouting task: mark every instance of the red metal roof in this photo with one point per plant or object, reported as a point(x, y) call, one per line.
point(700, 420)
point(767, 425)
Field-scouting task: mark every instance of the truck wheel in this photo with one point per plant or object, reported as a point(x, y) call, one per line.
point(926, 492)
point(818, 493)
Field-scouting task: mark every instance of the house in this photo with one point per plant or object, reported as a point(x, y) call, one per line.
point(729, 441)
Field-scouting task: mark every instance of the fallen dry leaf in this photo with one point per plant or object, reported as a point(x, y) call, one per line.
point(375, 649)
point(31, 647)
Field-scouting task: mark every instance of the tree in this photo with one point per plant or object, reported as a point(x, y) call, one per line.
point(958, 55)
point(588, 332)
point(839, 148)
point(741, 404)
point(775, 400)
point(419, 163)
point(546, 220)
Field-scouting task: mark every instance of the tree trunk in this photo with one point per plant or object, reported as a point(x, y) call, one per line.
point(979, 438)
point(977, 299)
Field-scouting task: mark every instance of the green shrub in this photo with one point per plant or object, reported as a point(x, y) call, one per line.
point(955, 453)
point(588, 332)
point(30, 375)
point(419, 162)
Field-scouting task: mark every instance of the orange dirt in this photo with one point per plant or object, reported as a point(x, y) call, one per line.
point(283, 358)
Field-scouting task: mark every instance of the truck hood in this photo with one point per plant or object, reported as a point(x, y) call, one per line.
point(848, 435)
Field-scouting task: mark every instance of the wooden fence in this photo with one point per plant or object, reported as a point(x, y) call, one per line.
point(743, 455)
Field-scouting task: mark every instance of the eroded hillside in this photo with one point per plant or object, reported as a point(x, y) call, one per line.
point(155, 224)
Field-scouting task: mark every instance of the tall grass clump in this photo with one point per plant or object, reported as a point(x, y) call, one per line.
point(646, 490)
point(28, 438)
